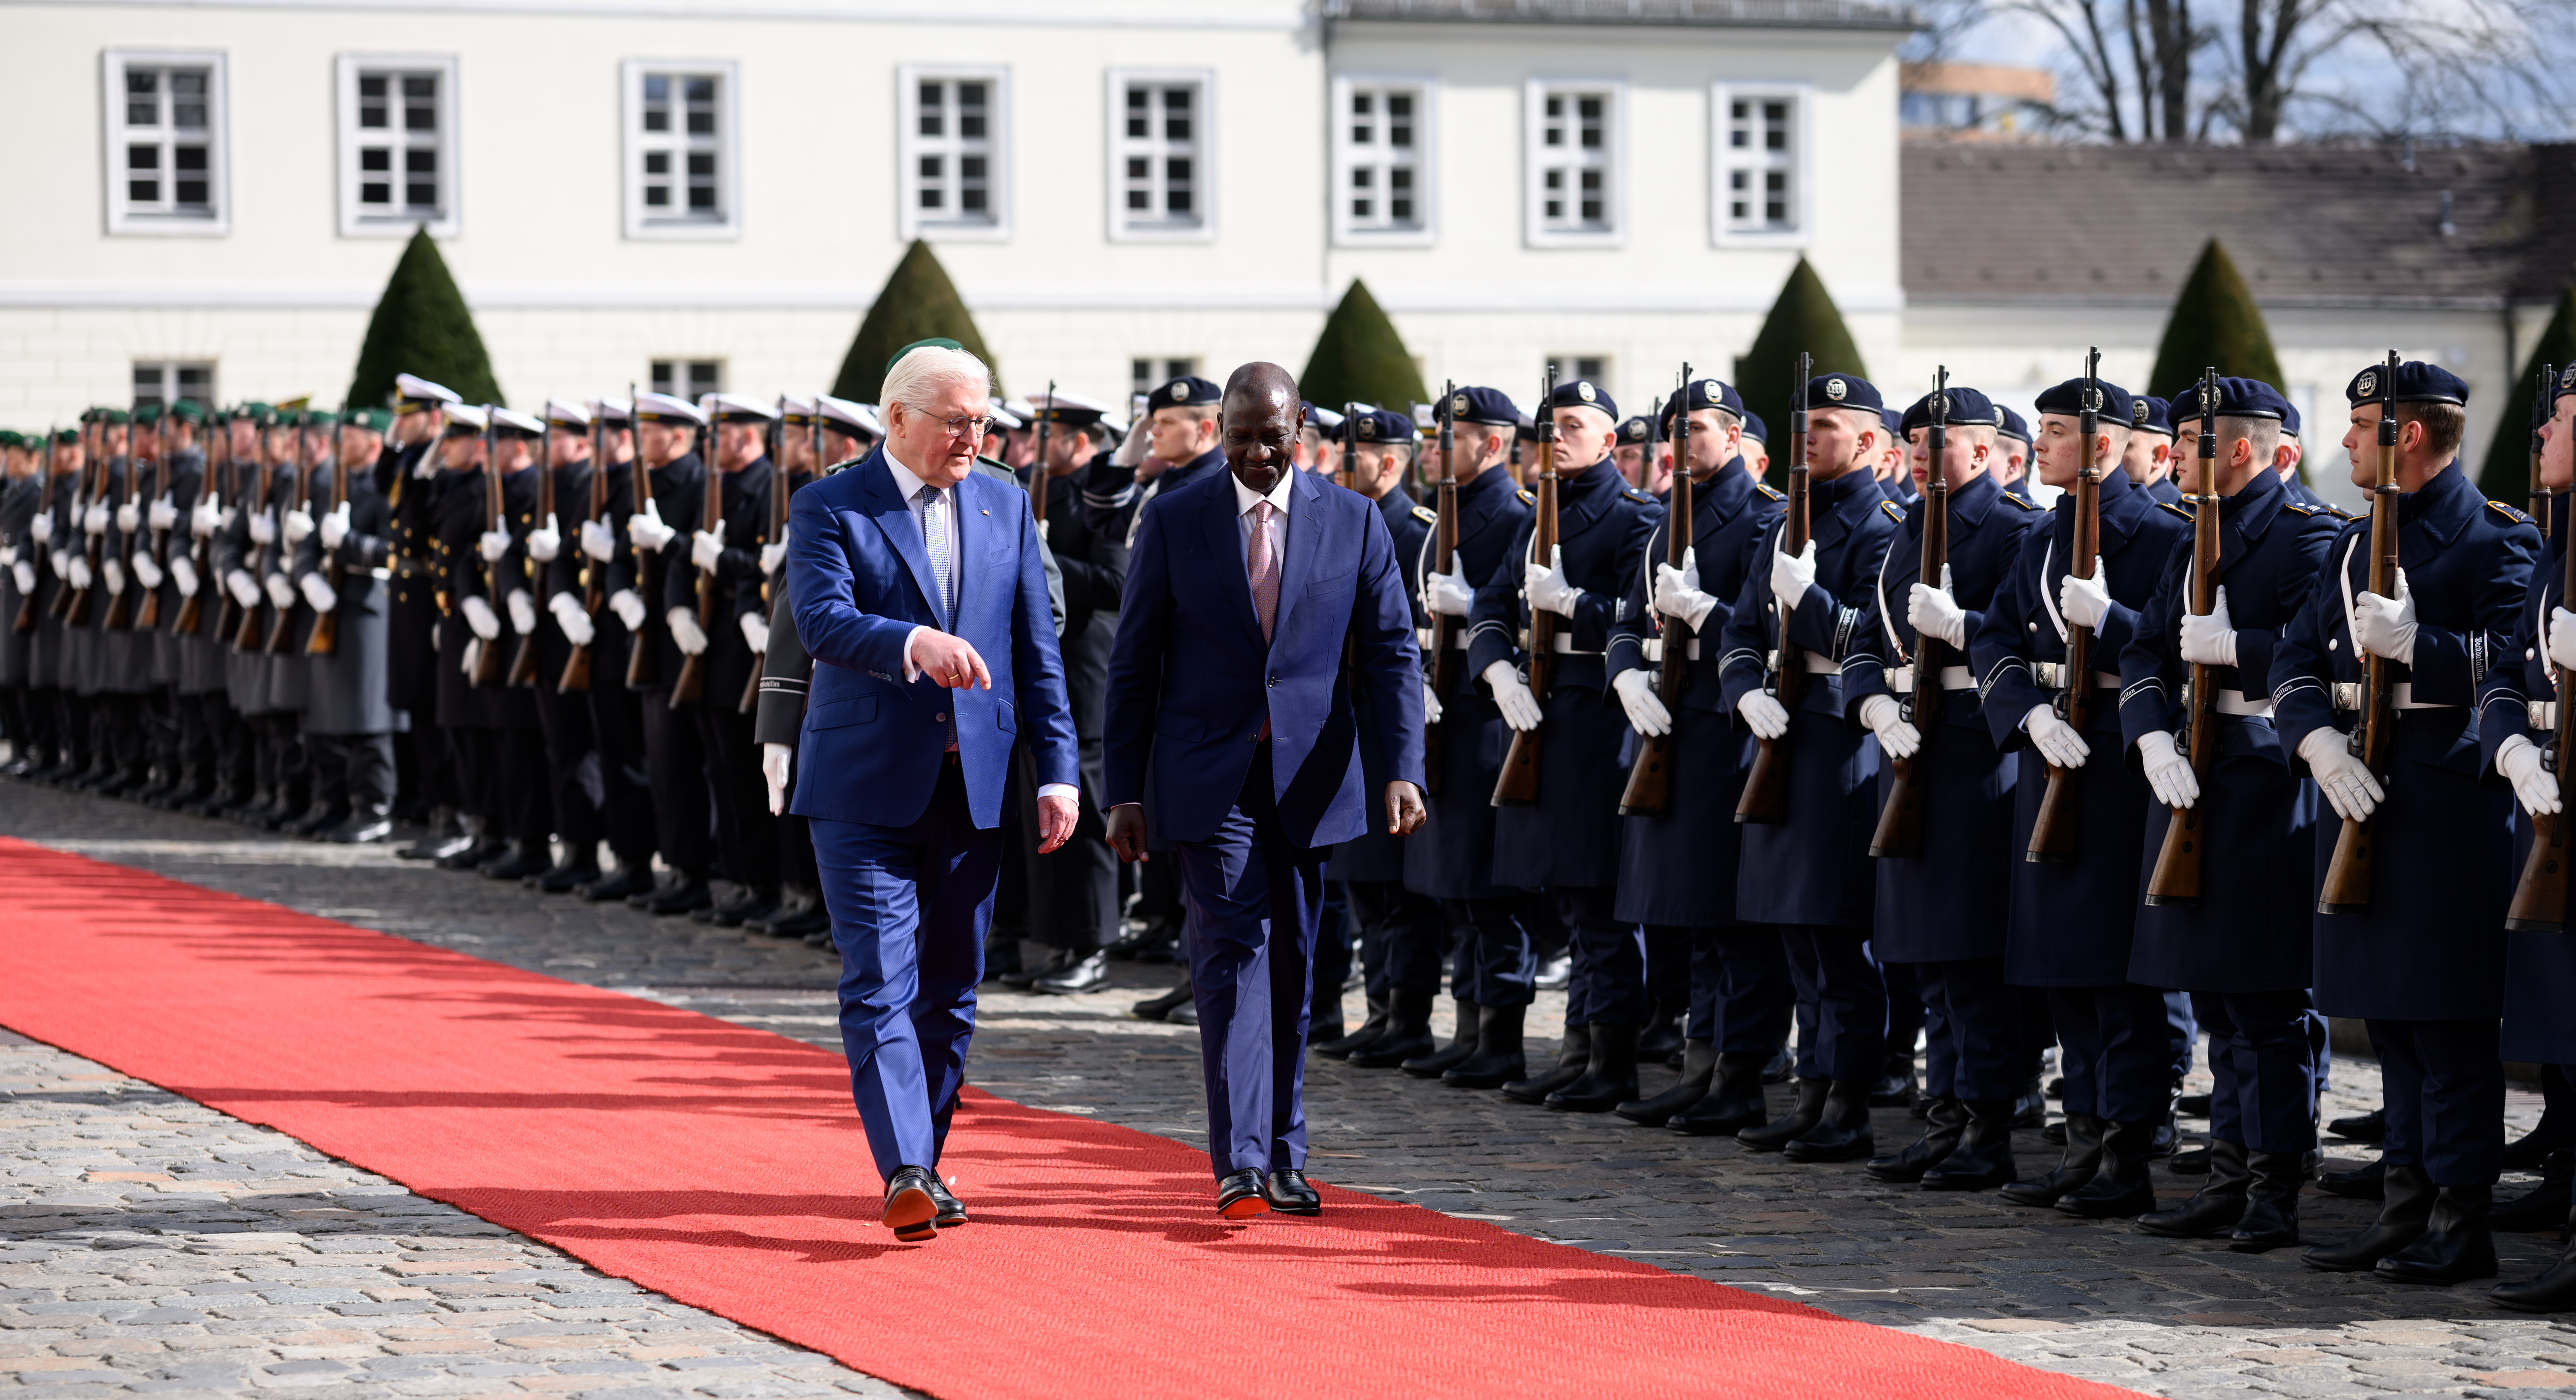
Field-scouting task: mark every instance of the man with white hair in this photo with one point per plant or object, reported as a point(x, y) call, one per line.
point(919, 591)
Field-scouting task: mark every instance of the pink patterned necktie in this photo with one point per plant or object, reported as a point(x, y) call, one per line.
point(1264, 564)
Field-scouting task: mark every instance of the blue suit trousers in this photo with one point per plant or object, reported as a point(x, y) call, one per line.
point(909, 907)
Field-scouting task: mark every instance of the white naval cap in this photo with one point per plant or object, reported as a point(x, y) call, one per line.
point(799, 409)
point(611, 410)
point(463, 415)
point(664, 408)
point(846, 414)
point(738, 408)
point(1003, 417)
point(564, 414)
point(510, 420)
point(418, 395)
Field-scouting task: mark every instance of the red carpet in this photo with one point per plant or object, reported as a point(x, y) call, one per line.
point(724, 1166)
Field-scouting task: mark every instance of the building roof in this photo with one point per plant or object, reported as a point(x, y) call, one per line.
point(2305, 225)
point(1694, 14)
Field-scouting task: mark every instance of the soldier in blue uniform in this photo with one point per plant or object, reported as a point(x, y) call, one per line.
point(2149, 460)
point(2421, 964)
point(1178, 438)
point(669, 432)
point(1816, 884)
point(491, 728)
point(2242, 947)
point(2286, 459)
point(1567, 846)
point(409, 478)
point(1677, 870)
point(628, 805)
point(1451, 858)
point(1941, 912)
point(2012, 452)
point(2540, 966)
point(2071, 920)
point(573, 758)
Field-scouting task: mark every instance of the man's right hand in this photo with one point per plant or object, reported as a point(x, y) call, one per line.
point(949, 660)
point(1126, 834)
point(1512, 696)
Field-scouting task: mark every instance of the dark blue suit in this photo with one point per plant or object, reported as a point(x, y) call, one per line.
point(1245, 756)
point(907, 837)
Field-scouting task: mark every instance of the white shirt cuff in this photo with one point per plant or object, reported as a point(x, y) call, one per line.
point(1066, 791)
point(911, 672)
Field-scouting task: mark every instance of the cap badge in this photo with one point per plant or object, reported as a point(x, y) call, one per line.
point(2138, 411)
point(1367, 428)
point(1834, 390)
point(1583, 390)
point(1458, 404)
point(2368, 384)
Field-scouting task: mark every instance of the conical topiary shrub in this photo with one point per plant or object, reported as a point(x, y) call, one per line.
point(421, 327)
point(1803, 318)
point(1360, 359)
point(2507, 474)
point(918, 303)
point(2214, 322)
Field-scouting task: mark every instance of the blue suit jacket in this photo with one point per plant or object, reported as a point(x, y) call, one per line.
point(1190, 678)
point(860, 581)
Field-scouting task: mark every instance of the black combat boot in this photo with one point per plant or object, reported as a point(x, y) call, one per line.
point(2543, 1207)
point(2271, 1219)
point(1462, 1044)
point(1776, 1134)
point(2551, 1133)
point(1945, 1121)
point(1573, 1056)
point(2362, 1183)
point(1608, 1080)
point(617, 884)
point(518, 860)
point(2403, 1209)
point(1896, 1085)
point(1699, 1066)
point(1408, 1033)
point(1983, 1160)
point(2076, 1165)
point(2456, 1245)
point(1499, 1059)
point(1661, 1039)
point(2123, 1185)
point(1341, 1047)
point(2554, 1290)
point(2216, 1207)
point(1841, 1132)
point(1733, 1102)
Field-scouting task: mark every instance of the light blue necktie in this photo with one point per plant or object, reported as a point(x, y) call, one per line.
point(935, 538)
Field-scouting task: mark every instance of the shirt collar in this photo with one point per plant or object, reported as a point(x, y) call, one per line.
point(1245, 500)
point(907, 482)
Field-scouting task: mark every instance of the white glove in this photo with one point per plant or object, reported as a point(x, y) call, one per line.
point(774, 759)
point(335, 526)
point(1934, 612)
point(1512, 696)
point(129, 518)
point(480, 617)
point(1792, 577)
point(2084, 602)
point(1886, 719)
point(426, 469)
point(318, 592)
point(571, 619)
point(184, 574)
point(1763, 714)
point(1546, 586)
point(2055, 739)
point(163, 514)
point(492, 544)
point(1646, 712)
point(1448, 594)
point(146, 572)
point(94, 520)
point(645, 530)
point(281, 591)
point(685, 632)
point(263, 528)
point(24, 575)
point(2386, 626)
point(2168, 770)
point(523, 611)
point(755, 630)
point(771, 556)
point(115, 571)
point(224, 520)
point(2211, 640)
point(207, 516)
point(1677, 591)
point(598, 541)
point(628, 607)
point(2350, 787)
point(78, 572)
point(1132, 448)
point(299, 525)
point(1430, 704)
point(2562, 638)
point(2518, 762)
point(42, 527)
point(245, 589)
point(706, 547)
point(545, 544)
point(8, 554)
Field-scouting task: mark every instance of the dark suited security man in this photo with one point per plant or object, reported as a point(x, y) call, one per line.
point(919, 592)
point(1249, 752)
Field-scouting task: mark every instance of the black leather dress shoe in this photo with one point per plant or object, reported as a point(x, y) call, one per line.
point(952, 1211)
point(679, 899)
point(1239, 1196)
point(1161, 1008)
point(562, 879)
point(1088, 972)
point(617, 884)
point(911, 1211)
point(1288, 1193)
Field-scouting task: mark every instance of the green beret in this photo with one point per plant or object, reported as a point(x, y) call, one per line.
point(188, 411)
point(941, 341)
point(107, 415)
point(11, 437)
point(68, 437)
point(147, 414)
point(374, 420)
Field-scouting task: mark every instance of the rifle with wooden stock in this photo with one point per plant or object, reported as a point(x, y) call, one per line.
point(643, 666)
point(1650, 775)
point(691, 687)
point(25, 621)
point(594, 572)
point(2176, 879)
point(192, 612)
point(1517, 785)
point(325, 640)
point(281, 627)
point(2540, 896)
point(774, 528)
point(1039, 481)
point(1444, 558)
point(120, 601)
point(483, 659)
point(2346, 887)
point(2053, 831)
point(523, 661)
point(147, 614)
point(75, 601)
point(248, 635)
point(1765, 801)
point(1900, 822)
point(227, 611)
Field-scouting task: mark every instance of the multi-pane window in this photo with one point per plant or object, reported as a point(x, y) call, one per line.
point(397, 144)
point(1758, 163)
point(1574, 141)
point(950, 151)
point(1573, 367)
point(688, 379)
point(165, 143)
point(1158, 155)
point(679, 149)
point(1148, 373)
point(160, 383)
point(1381, 142)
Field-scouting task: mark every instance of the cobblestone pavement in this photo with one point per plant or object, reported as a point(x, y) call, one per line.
point(2182, 1318)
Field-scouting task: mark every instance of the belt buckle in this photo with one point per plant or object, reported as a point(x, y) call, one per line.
point(1525, 639)
point(1901, 681)
point(2541, 714)
point(2347, 695)
point(2051, 675)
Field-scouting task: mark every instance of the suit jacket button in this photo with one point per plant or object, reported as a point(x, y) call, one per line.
point(939, 718)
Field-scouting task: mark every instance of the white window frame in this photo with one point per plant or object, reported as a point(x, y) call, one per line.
point(683, 383)
point(633, 144)
point(1346, 153)
point(994, 225)
point(355, 222)
point(122, 217)
point(1202, 159)
point(169, 371)
point(1534, 163)
point(1724, 162)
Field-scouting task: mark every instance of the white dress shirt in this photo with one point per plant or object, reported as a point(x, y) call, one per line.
point(1245, 500)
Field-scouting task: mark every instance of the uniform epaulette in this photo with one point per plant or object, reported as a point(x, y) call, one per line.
point(2175, 509)
point(1894, 511)
point(1526, 498)
point(1426, 515)
point(2303, 509)
point(1767, 490)
point(2509, 513)
point(2342, 514)
point(1642, 498)
point(2016, 500)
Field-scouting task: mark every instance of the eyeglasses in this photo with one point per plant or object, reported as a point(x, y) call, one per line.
point(963, 426)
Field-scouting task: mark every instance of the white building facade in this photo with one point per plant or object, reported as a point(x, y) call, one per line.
point(708, 193)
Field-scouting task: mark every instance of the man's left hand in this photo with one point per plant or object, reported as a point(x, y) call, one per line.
point(1056, 816)
point(1404, 810)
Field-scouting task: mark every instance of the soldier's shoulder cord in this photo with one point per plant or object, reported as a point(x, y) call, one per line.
point(2178, 510)
point(1426, 515)
point(1768, 490)
point(2509, 513)
point(1894, 511)
point(1527, 498)
point(2016, 500)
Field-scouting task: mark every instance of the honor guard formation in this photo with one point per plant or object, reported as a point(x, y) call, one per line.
point(1773, 783)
